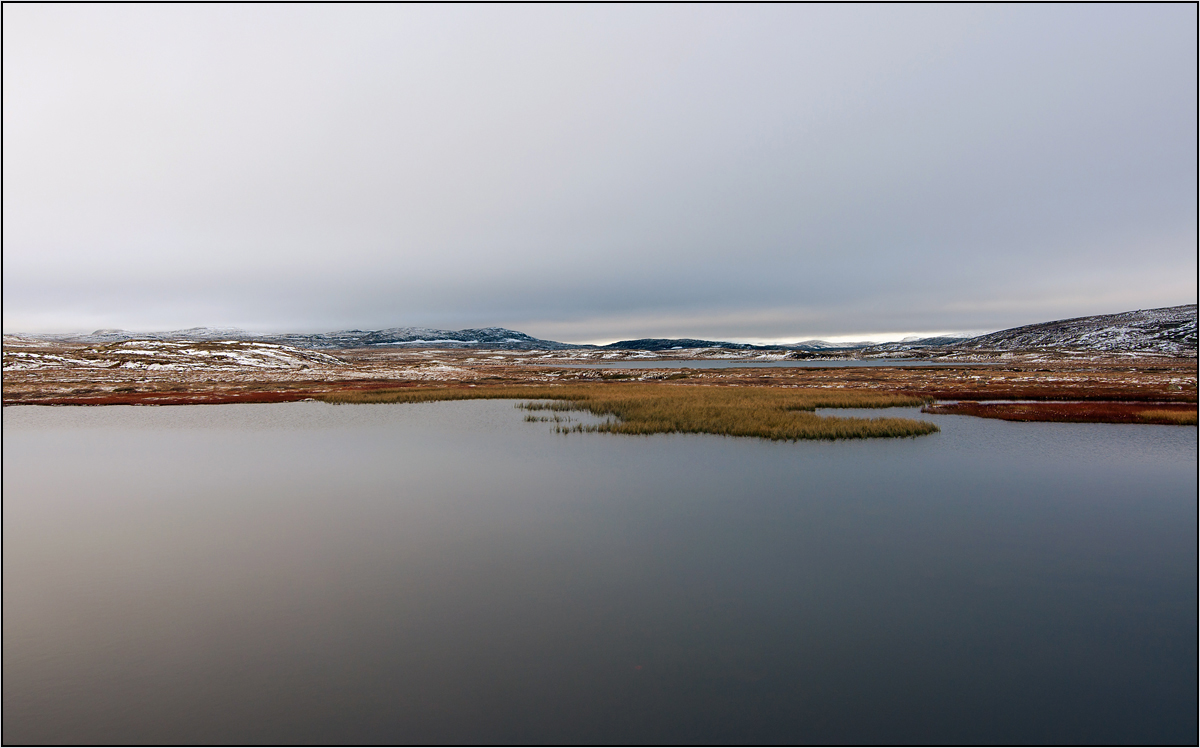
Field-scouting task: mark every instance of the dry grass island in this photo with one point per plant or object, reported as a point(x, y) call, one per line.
point(768, 413)
point(759, 401)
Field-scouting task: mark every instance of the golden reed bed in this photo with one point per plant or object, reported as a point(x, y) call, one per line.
point(768, 413)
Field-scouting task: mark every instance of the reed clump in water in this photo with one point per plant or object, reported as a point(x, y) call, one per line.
point(768, 413)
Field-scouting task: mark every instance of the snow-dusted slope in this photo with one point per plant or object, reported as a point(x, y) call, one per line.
point(497, 338)
point(410, 337)
point(1166, 330)
point(422, 337)
point(119, 336)
point(161, 355)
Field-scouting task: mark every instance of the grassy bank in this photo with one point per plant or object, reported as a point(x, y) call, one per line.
point(765, 412)
point(1179, 414)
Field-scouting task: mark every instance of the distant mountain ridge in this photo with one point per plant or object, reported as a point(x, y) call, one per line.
point(497, 338)
point(423, 337)
point(399, 337)
point(667, 344)
point(1169, 330)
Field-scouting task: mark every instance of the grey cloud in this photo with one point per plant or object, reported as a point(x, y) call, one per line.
point(315, 167)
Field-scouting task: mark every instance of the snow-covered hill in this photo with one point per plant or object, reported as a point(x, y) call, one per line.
point(1170, 330)
point(498, 338)
point(1166, 330)
point(163, 355)
point(402, 337)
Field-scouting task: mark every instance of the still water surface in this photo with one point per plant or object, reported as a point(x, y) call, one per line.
point(448, 572)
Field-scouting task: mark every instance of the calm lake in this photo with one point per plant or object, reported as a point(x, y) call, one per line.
point(448, 572)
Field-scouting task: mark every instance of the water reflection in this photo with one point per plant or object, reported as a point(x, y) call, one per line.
point(448, 572)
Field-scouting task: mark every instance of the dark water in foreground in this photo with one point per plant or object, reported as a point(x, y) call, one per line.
point(447, 572)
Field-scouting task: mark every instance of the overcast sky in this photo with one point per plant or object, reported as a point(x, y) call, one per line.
point(589, 173)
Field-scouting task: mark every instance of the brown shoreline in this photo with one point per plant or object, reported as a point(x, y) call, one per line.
point(1112, 389)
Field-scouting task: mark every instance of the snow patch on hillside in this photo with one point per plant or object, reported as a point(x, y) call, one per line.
point(158, 355)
